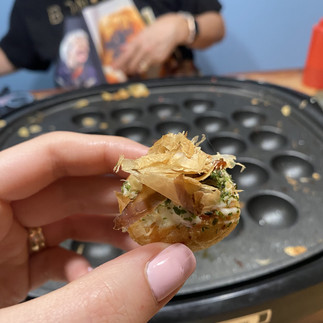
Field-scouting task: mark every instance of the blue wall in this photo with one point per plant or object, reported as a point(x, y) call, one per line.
point(261, 35)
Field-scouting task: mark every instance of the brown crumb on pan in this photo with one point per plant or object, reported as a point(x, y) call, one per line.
point(316, 176)
point(254, 101)
point(35, 128)
point(295, 251)
point(137, 90)
point(104, 125)
point(23, 132)
point(303, 105)
point(81, 104)
point(106, 96)
point(88, 122)
point(122, 94)
point(3, 123)
point(286, 110)
point(291, 181)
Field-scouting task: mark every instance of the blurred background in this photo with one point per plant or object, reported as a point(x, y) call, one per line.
point(261, 35)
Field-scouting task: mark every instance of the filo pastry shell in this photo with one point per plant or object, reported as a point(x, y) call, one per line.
point(178, 193)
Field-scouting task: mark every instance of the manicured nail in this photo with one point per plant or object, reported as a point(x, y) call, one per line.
point(170, 269)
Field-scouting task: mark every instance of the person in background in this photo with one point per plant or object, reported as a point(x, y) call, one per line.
point(174, 29)
point(48, 194)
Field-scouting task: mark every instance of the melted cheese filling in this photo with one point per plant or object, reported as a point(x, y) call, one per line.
point(167, 214)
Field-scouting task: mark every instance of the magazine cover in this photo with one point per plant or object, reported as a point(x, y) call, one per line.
point(112, 24)
point(78, 64)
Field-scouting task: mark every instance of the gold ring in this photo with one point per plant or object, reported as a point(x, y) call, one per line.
point(143, 66)
point(36, 239)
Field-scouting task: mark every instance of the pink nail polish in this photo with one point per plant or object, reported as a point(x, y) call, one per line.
point(170, 269)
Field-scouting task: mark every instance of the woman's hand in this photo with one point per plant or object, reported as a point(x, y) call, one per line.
point(157, 42)
point(59, 182)
point(153, 45)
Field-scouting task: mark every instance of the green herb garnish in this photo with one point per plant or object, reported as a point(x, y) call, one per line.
point(178, 210)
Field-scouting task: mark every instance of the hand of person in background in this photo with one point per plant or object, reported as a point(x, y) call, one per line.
point(157, 41)
point(153, 45)
point(53, 188)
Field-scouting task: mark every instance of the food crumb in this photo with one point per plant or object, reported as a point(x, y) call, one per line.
point(295, 251)
point(106, 96)
point(122, 94)
point(137, 90)
point(239, 262)
point(104, 125)
point(291, 181)
point(286, 110)
point(303, 105)
point(23, 132)
point(88, 122)
point(316, 176)
point(263, 262)
point(254, 101)
point(35, 128)
point(3, 123)
point(81, 103)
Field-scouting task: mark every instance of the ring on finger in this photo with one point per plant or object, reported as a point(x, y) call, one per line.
point(36, 239)
point(143, 66)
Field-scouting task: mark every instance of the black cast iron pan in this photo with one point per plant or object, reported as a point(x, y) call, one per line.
point(275, 132)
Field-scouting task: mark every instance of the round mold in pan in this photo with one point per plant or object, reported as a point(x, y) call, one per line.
point(254, 175)
point(279, 209)
point(126, 115)
point(293, 165)
point(210, 123)
point(199, 105)
point(228, 143)
point(268, 138)
point(273, 210)
point(249, 116)
point(138, 133)
point(164, 110)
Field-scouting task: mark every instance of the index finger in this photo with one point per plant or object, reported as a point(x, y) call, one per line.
point(126, 55)
point(30, 166)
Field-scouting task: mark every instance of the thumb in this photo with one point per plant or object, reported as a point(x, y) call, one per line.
point(130, 288)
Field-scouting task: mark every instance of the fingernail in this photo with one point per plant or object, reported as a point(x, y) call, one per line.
point(170, 269)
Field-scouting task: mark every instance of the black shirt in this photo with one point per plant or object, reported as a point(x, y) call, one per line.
point(36, 26)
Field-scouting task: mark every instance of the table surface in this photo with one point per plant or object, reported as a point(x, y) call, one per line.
point(287, 78)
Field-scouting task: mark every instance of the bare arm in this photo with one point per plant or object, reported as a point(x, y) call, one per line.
point(211, 29)
point(6, 66)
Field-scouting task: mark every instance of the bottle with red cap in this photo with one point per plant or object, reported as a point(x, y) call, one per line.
point(313, 71)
